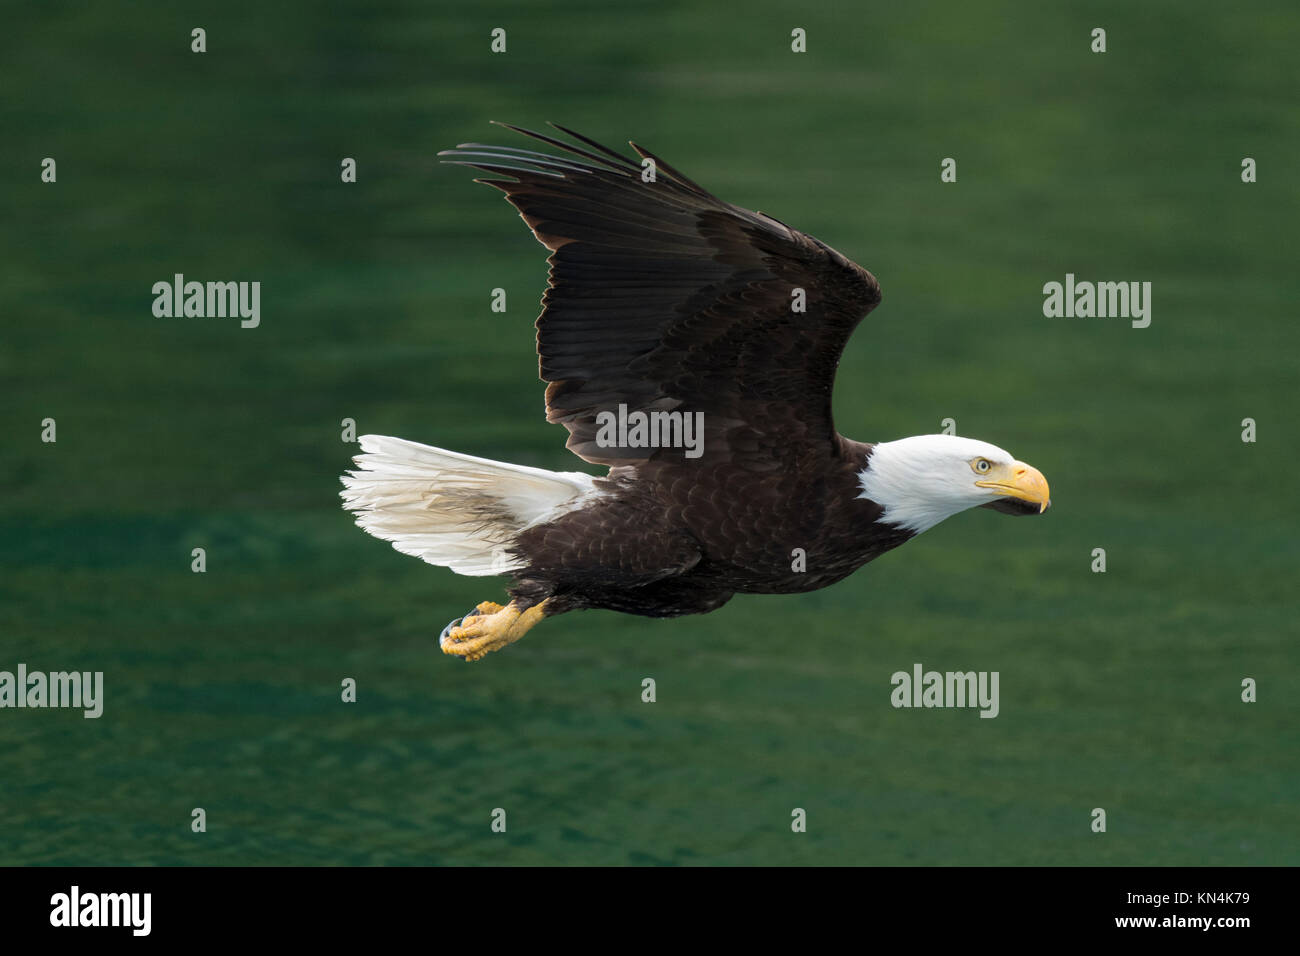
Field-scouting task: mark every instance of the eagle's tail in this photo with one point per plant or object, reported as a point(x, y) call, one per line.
point(450, 509)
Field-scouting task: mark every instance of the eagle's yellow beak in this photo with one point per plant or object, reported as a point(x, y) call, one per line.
point(1018, 480)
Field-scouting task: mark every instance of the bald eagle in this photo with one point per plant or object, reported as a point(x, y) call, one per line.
point(689, 345)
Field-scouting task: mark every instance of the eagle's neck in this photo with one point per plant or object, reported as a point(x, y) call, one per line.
point(905, 478)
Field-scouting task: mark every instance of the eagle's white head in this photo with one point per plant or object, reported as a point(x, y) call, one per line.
point(923, 480)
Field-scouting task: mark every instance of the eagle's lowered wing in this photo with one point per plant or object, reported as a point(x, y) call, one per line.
point(662, 297)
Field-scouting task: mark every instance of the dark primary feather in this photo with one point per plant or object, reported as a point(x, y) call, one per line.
point(663, 297)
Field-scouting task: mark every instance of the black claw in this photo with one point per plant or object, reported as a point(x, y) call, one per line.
point(447, 630)
point(472, 612)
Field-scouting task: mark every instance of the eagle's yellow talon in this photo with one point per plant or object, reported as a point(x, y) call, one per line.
point(479, 634)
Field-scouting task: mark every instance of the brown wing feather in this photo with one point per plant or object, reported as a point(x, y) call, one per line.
point(663, 297)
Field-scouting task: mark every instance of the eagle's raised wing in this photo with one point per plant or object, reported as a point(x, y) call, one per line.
point(662, 297)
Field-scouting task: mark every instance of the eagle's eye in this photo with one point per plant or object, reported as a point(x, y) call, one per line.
point(982, 466)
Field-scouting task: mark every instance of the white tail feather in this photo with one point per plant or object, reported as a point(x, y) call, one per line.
point(454, 510)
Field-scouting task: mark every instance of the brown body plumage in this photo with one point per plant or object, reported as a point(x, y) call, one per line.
point(678, 537)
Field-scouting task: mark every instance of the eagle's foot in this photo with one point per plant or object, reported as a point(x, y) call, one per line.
point(488, 628)
point(483, 608)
